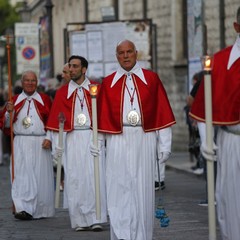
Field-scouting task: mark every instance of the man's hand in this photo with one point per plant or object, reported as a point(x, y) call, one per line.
point(46, 144)
point(94, 150)
point(207, 153)
point(163, 157)
point(9, 106)
point(58, 152)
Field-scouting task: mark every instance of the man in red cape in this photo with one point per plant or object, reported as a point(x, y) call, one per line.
point(226, 114)
point(74, 101)
point(135, 118)
point(33, 182)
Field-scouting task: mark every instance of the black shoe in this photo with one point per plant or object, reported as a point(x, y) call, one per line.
point(23, 216)
point(156, 186)
point(162, 184)
point(96, 228)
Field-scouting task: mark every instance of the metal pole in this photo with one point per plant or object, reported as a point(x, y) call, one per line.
point(49, 7)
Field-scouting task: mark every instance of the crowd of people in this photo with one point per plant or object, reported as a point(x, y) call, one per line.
point(138, 116)
point(135, 122)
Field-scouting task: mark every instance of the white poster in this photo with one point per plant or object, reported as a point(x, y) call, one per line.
point(78, 44)
point(95, 49)
point(27, 47)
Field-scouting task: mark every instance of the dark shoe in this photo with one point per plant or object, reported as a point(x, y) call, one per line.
point(79, 229)
point(156, 186)
point(198, 171)
point(96, 228)
point(204, 203)
point(162, 184)
point(23, 216)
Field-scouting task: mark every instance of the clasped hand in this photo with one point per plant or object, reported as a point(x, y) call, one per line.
point(208, 153)
point(58, 152)
point(163, 157)
point(95, 151)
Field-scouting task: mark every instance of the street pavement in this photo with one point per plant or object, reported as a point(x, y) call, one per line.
point(184, 190)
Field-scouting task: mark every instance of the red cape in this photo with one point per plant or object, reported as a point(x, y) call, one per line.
point(225, 92)
point(156, 112)
point(66, 106)
point(42, 110)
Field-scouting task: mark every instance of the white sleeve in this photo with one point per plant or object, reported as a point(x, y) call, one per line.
point(202, 131)
point(164, 143)
point(54, 139)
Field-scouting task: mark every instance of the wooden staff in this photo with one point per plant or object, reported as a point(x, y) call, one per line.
point(10, 100)
point(11, 112)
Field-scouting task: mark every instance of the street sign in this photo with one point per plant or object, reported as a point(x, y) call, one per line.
point(28, 53)
point(27, 46)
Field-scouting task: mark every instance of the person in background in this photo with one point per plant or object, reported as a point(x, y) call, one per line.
point(74, 101)
point(201, 165)
point(225, 79)
point(66, 77)
point(135, 119)
point(33, 183)
point(194, 136)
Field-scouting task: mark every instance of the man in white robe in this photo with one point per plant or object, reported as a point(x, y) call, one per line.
point(32, 171)
point(74, 101)
point(225, 105)
point(135, 118)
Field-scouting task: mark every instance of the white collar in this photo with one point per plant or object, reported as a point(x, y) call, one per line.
point(73, 86)
point(235, 53)
point(137, 70)
point(23, 96)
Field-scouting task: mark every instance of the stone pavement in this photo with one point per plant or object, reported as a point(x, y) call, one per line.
point(180, 199)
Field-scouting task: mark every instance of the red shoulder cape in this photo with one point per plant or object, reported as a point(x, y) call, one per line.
point(225, 92)
point(66, 106)
point(42, 110)
point(156, 112)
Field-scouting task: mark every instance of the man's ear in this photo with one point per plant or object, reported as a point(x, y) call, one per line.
point(236, 27)
point(84, 69)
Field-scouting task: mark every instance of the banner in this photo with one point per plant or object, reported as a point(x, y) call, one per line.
point(45, 55)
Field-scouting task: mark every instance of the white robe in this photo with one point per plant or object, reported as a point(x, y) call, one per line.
point(33, 185)
point(228, 184)
point(80, 183)
point(79, 168)
point(130, 165)
point(130, 173)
